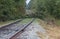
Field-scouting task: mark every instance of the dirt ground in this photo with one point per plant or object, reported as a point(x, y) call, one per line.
point(33, 31)
point(53, 30)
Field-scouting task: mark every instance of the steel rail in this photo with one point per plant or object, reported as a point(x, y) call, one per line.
point(8, 28)
point(25, 26)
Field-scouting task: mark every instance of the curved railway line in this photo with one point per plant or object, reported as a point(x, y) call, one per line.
point(12, 30)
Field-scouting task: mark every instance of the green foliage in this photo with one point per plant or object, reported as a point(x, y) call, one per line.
point(11, 9)
point(45, 8)
point(53, 7)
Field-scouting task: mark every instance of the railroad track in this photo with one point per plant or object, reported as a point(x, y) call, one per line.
point(11, 30)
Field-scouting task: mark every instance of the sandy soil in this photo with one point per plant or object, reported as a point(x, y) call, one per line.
point(52, 30)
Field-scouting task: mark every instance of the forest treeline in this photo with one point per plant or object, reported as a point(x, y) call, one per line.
point(15, 9)
point(11, 9)
point(45, 8)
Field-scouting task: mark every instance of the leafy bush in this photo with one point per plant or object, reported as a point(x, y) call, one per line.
point(11, 9)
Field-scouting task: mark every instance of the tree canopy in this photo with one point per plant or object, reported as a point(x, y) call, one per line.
point(46, 8)
point(11, 9)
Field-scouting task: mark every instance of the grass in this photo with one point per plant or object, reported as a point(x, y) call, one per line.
point(52, 30)
point(6, 22)
point(57, 22)
point(26, 20)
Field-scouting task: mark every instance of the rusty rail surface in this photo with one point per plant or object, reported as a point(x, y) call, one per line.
point(21, 31)
point(9, 31)
point(11, 23)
